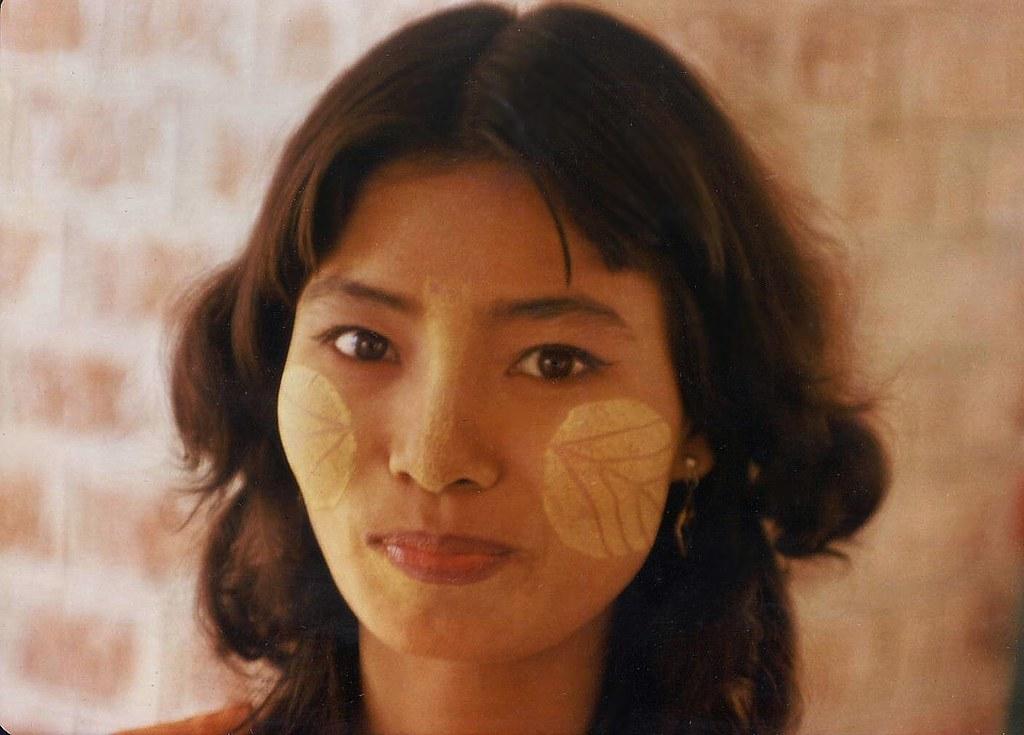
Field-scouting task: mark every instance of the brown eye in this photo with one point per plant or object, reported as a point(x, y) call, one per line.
point(557, 362)
point(362, 344)
point(553, 364)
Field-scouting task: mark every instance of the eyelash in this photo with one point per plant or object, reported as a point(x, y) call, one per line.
point(331, 337)
point(587, 362)
point(584, 363)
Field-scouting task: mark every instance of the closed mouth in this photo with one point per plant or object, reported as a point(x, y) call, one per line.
point(441, 558)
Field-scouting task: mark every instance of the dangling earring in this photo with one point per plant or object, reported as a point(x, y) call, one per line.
point(686, 514)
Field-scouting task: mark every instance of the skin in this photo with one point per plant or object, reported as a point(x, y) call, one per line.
point(432, 324)
point(315, 427)
point(606, 472)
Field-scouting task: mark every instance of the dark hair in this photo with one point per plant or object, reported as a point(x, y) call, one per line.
point(623, 140)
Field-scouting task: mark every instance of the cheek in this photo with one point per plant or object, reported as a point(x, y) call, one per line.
point(606, 476)
point(316, 432)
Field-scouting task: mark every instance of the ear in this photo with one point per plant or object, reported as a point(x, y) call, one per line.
point(693, 460)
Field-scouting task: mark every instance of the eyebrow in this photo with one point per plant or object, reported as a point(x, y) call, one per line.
point(543, 309)
point(329, 286)
point(504, 310)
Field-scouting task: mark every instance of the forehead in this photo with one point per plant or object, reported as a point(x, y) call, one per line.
point(457, 223)
point(470, 233)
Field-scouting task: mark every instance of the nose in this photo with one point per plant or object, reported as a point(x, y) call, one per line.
point(436, 441)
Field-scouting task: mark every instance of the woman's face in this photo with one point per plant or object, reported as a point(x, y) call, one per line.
point(484, 451)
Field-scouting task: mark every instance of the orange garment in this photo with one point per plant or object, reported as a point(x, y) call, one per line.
point(222, 722)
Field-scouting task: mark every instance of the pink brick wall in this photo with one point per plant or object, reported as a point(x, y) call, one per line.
point(135, 140)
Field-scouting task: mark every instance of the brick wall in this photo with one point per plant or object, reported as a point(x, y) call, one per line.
point(136, 137)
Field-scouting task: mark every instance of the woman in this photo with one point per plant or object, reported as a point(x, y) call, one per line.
point(524, 381)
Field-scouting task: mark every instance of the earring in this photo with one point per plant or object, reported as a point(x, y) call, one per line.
point(686, 514)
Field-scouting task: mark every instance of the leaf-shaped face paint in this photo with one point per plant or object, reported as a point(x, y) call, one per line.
point(606, 475)
point(316, 431)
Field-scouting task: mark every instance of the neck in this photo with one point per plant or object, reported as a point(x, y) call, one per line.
point(552, 692)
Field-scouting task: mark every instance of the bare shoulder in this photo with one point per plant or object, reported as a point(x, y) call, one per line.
point(221, 722)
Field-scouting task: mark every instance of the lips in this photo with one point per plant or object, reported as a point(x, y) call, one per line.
point(441, 559)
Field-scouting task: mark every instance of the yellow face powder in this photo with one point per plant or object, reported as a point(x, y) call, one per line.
point(316, 431)
point(606, 477)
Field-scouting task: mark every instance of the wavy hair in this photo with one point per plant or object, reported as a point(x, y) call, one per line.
point(623, 140)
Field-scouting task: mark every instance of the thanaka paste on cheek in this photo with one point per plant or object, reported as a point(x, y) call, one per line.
point(316, 431)
point(606, 476)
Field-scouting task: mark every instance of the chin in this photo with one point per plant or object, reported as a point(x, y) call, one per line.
point(455, 626)
point(508, 616)
point(452, 638)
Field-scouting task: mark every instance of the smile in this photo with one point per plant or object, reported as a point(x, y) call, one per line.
point(441, 559)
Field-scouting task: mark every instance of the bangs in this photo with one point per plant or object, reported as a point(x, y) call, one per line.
point(592, 143)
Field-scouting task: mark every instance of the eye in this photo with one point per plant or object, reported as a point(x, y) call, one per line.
point(557, 362)
point(363, 344)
